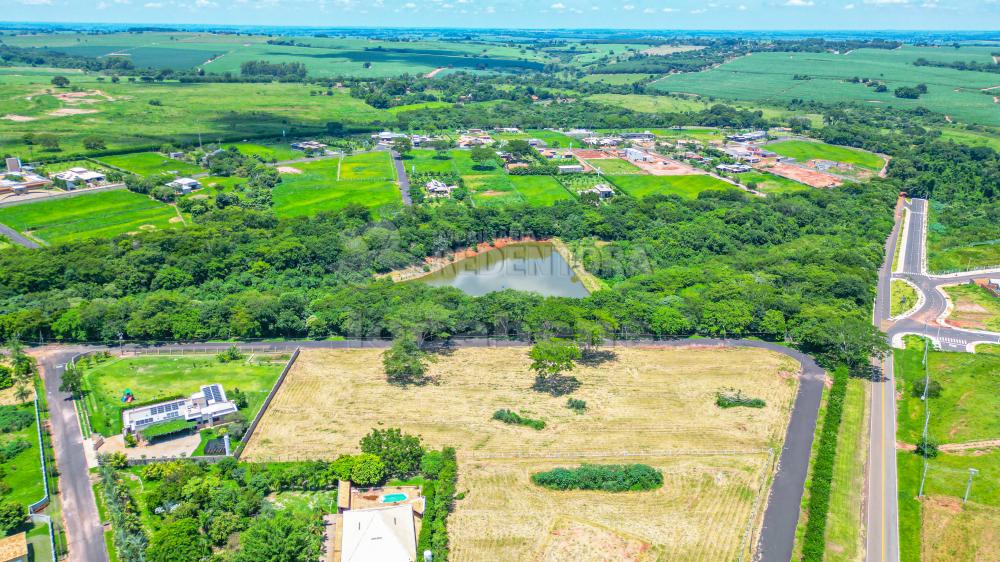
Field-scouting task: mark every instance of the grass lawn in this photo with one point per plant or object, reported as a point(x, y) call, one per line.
point(553, 139)
point(803, 151)
point(305, 503)
point(316, 189)
point(94, 215)
point(944, 256)
point(974, 307)
point(268, 152)
point(770, 183)
point(154, 377)
point(684, 186)
point(640, 399)
point(540, 190)
point(904, 297)
point(23, 473)
point(616, 167)
point(423, 161)
point(150, 163)
point(492, 189)
point(970, 395)
point(846, 517)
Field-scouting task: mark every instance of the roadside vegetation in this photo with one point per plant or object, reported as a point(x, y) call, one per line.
point(904, 297)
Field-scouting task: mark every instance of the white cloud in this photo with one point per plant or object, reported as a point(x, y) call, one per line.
point(36, 2)
point(849, 7)
point(490, 10)
point(887, 2)
point(799, 3)
point(669, 10)
point(410, 6)
point(628, 7)
point(558, 6)
point(152, 5)
point(103, 5)
point(204, 3)
point(742, 8)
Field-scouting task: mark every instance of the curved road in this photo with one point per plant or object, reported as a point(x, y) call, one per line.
point(780, 516)
point(17, 238)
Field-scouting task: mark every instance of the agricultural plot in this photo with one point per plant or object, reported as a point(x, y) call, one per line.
point(364, 179)
point(656, 403)
point(768, 77)
point(268, 152)
point(803, 151)
point(973, 307)
point(103, 214)
point(615, 166)
point(649, 104)
point(153, 377)
point(971, 138)
point(684, 186)
point(427, 161)
point(615, 79)
point(151, 163)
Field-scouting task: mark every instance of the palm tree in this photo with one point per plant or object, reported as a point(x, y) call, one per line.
point(22, 393)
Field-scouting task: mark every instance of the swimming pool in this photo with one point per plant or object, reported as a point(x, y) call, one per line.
point(393, 498)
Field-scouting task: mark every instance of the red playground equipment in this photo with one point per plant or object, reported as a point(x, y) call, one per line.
point(128, 397)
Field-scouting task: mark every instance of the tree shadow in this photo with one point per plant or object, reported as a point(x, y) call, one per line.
point(597, 357)
point(556, 385)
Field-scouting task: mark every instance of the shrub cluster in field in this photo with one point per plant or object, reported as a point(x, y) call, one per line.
point(606, 478)
point(513, 418)
point(732, 398)
point(14, 419)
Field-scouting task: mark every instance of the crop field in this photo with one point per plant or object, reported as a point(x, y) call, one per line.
point(684, 186)
point(974, 307)
point(615, 166)
point(768, 77)
point(770, 183)
point(317, 189)
point(94, 215)
point(153, 377)
point(656, 403)
point(614, 79)
point(803, 151)
point(971, 138)
point(150, 163)
point(649, 104)
point(124, 118)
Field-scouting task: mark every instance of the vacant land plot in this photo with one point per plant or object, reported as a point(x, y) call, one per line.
point(550, 138)
point(540, 190)
point(770, 183)
point(804, 175)
point(970, 393)
point(615, 166)
point(149, 163)
point(153, 377)
point(615, 79)
point(268, 152)
point(317, 189)
point(769, 77)
point(684, 186)
point(424, 161)
point(803, 151)
point(23, 473)
point(655, 403)
point(94, 215)
point(973, 307)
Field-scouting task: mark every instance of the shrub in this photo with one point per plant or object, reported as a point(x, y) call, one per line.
point(439, 500)
point(13, 418)
point(733, 398)
point(926, 448)
point(12, 515)
point(6, 377)
point(117, 460)
point(510, 417)
point(933, 389)
point(606, 478)
point(12, 448)
point(401, 453)
point(577, 406)
point(231, 354)
point(814, 540)
point(368, 470)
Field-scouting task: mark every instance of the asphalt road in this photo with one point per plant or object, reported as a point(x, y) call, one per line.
point(404, 180)
point(84, 533)
point(16, 237)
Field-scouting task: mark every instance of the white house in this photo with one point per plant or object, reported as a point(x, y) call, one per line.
point(185, 185)
point(205, 406)
point(308, 145)
point(748, 137)
point(76, 177)
point(379, 535)
point(733, 168)
point(636, 155)
point(602, 190)
point(537, 143)
point(437, 188)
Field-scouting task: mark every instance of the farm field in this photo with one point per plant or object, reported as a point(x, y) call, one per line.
point(683, 186)
point(974, 307)
point(770, 183)
point(904, 297)
point(971, 138)
point(970, 387)
point(649, 104)
point(768, 77)
point(23, 473)
point(945, 254)
point(93, 215)
point(614, 79)
point(616, 166)
point(644, 400)
point(152, 377)
point(150, 163)
point(269, 152)
point(123, 117)
point(366, 179)
point(803, 151)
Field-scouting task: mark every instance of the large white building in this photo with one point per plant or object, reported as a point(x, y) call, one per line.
point(207, 405)
point(75, 177)
point(379, 535)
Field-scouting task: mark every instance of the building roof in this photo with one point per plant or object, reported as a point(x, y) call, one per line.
point(379, 535)
point(13, 547)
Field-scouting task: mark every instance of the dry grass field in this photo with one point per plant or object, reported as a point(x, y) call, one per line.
point(649, 405)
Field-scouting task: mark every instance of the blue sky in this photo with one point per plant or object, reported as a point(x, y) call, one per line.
point(645, 14)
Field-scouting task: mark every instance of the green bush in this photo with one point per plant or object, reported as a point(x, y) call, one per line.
point(733, 398)
point(12, 448)
point(576, 405)
point(513, 418)
point(368, 470)
point(814, 541)
point(933, 389)
point(439, 501)
point(14, 418)
point(606, 478)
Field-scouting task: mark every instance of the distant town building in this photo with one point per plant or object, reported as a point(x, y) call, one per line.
point(733, 168)
point(636, 155)
point(19, 179)
point(537, 143)
point(602, 190)
point(205, 406)
point(641, 137)
point(507, 130)
point(571, 169)
point(309, 146)
point(748, 137)
point(185, 185)
point(78, 177)
point(437, 188)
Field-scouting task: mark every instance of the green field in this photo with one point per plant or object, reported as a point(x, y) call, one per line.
point(23, 473)
point(616, 166)
point(649, 104)
point(153, 378)
point(803, 151)
point(365, 179)
point(268, 152)
point(971, 138)
point(94, 215)
point(150, 163)
point(614, 79)
point(553, 139)
point(970, 394)
point(424, 161)
point(540, 190)
point(684, 186)
point(770, 183)
point(768, 78)
point(960, 240)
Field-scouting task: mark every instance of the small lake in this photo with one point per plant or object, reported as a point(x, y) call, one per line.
point(530, 266)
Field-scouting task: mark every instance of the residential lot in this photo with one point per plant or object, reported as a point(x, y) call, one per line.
point(657, 404)
point(149, 163)
point(365, 179)
point(684, 186)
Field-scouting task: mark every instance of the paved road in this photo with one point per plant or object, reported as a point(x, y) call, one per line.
point(780, 516)
point(84, 533)
point(404, 180)
point(16, 237)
